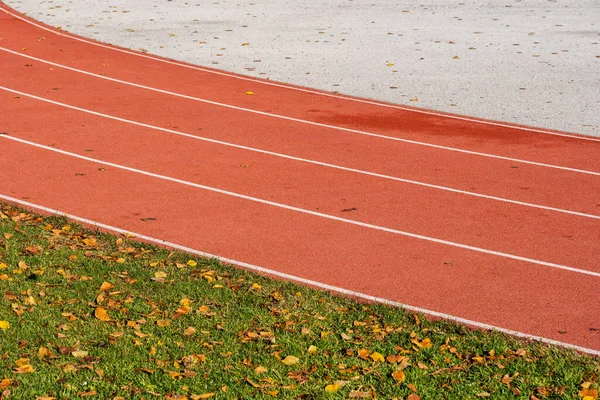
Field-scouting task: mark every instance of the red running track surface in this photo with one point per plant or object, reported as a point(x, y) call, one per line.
point(483, 221)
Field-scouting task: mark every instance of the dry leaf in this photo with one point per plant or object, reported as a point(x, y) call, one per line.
point(101, 314)
point(260, 369)
point(332, 388)
point(201, 396)
point(25, 369)
point(105, 287)
point(5, 383)
point(189, 331)
point(290, 360)
point(79, 353)
point(399, 376)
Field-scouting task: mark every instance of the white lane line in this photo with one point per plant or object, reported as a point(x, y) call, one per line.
point(302, 121)
point(299, 89)
point(308, 161)
point(308, 212)
point(294, 278)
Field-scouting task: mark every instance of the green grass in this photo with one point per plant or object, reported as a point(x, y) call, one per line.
point(180, 327)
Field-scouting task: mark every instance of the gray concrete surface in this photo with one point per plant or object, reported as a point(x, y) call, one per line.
point(533, 62)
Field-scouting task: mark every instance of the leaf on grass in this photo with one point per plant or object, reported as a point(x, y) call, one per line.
point(364, 353)
point(79, 353)
point(356, 394)
point(290, 360)
point(588, 394)
point(202, 396)
point(105, 287)
point(25, 369)
point(399, 376)
point(377, 357)
point(101, 314)
point(189, 331)
point(332, 388)
point(192, 263)
point(312, 349)
point(4, 325)
point(424, 344)
point(5, 383)
point(160, 275)
point(413, 396)
point(163, 323)
point(260, 369)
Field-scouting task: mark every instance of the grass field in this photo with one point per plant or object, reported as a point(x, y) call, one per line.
point(90, 315)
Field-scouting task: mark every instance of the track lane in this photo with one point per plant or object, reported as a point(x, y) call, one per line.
point(501, 292)
point(501, 178)
point(537, 234)
point(439, 129)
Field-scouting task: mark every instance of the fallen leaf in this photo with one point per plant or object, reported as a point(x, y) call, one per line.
point(250, 93)
point(201, 396)
point(332, 388)
point(260, 369)
point(5, 383)
point(290, 360)
point(79, 353)
point(399, 376)
point(189, 331)
point(105, 287)
point(101, 314)
point(356, 394)
point(377, 357)
point(4, 325)
point(192, 263)
point(25, 369)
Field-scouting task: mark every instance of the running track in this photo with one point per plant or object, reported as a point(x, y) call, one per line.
point(486, 223)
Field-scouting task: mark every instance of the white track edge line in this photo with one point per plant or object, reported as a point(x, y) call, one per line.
point(302, 121)
point(309, 212)
point(305, 281)
point(299, 89)
point(305, 160)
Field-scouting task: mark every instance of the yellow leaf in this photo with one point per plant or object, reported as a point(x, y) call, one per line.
point(260, 369)
point(25, 369)
point(105, 287)
point(189, 331)
point(101, 314)
point(290, 360)
point(4, 325)
point(163, 323)
point(79, 353)
point(192, 263)
point(22, 361)
point(312, 349)
point(5, 383)
point(332, 388)
point(588, 393)
point(250, 93)
point(424, 344)
point(377, 357)
point(399, 376)
point(245, 44)
point(364, 353)
point(160, 275)
point(202, 396)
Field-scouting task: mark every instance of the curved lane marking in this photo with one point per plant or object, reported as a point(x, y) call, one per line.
point(302, 121)
point(305, 160)
point(308, 212)
point(295, 88)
